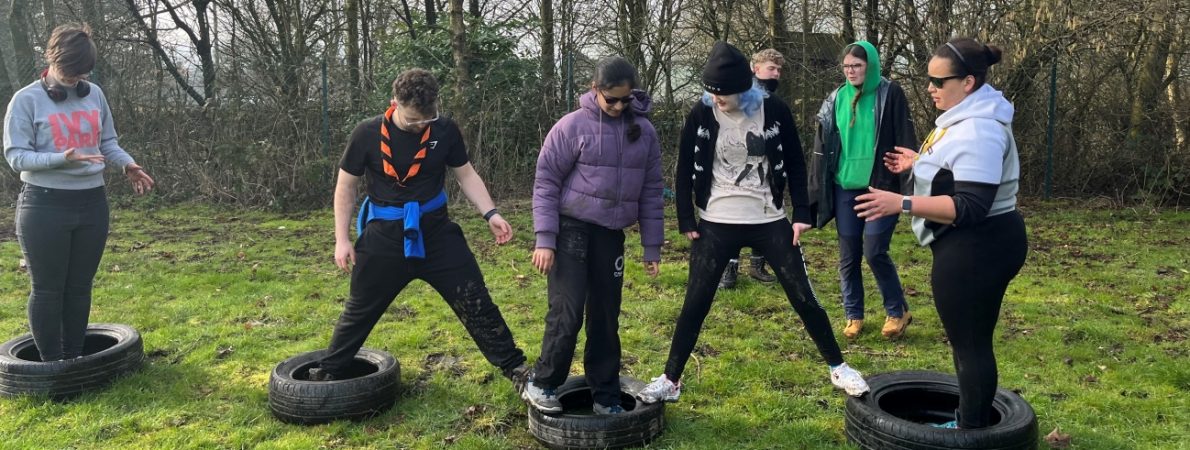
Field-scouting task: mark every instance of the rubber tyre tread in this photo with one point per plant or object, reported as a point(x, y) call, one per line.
point(68, 378)
point(314, 402)
point(870, 427)
point(565, 431)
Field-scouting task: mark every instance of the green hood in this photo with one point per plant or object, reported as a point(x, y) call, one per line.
point(856, 120)
point(872, 76)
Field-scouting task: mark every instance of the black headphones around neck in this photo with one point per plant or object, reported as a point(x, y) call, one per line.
point(58, 93)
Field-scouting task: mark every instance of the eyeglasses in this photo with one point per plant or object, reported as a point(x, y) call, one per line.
point(419, 122)
point(611, 101)
point(939, 81)
point(851, 66)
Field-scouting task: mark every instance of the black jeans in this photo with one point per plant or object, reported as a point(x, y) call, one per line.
point(972, 268)
point(588, 273)
point(709, 254)
point(62, 235)
point(381, 272)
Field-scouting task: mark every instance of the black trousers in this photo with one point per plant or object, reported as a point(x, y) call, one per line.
point(62, 234)
point(381, 272)
point(588, 273)
point(972, 269)
point(708, 257)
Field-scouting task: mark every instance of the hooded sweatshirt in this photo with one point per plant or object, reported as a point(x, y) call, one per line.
point(38, 130)
point(972, 157)
point(857, 124)
point(588, 169)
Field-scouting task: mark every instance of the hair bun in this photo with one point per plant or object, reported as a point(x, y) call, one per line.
point(993, 53)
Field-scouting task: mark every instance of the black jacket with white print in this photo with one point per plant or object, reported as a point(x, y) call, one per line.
point(696, 151)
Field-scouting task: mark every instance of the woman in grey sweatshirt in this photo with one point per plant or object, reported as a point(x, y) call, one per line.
point(58, 134)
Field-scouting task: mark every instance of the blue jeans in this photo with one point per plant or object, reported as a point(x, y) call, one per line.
point(871, 240)
point(62, 235)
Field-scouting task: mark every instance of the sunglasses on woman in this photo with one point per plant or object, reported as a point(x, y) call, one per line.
point(938, 82)
point(626, 100)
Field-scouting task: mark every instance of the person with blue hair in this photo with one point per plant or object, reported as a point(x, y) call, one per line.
point(739, 151)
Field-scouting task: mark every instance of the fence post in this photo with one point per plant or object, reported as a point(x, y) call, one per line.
point(326, 120)
point(1049, 132)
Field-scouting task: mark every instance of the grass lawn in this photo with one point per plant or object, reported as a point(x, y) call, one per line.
point(1093, 334)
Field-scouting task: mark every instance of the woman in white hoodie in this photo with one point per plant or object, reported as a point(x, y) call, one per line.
point(964, 209)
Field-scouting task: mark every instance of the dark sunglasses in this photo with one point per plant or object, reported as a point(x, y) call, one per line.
point(938, 82)
point(626, 100)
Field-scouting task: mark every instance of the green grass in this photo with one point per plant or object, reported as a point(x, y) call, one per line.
point(1093, 335)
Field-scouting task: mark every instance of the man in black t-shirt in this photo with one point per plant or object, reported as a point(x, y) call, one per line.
point(405, 232)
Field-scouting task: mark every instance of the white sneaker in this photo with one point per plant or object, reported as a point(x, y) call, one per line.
point(849, 380)
point(660, 389)
point(545, 400)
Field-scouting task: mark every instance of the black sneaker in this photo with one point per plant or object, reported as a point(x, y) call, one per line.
point(317, 374)
point(730, 274)
point(758, 272)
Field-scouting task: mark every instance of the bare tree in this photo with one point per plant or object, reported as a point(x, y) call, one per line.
point(6, 89)
point(848, 21)
point(282, 35)
point(49, 16)
point(22, 44)
point(199, 35)
point(458, 45)
point(351, 10)
point(548, 71)
point(872, 17)
point(406, 16)
point(631, 30)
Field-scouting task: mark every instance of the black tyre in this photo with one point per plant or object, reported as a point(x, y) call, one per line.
point(109, 351)
point(370, 389)
point(579, 428)
point(897, 412)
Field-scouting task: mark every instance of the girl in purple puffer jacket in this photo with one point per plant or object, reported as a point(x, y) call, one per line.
point(599, 172)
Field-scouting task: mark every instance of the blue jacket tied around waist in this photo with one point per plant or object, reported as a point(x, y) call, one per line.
point(410, 213)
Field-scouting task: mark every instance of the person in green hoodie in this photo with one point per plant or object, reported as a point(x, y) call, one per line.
point(858, 124)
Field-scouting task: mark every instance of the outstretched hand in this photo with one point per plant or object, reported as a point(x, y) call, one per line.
point(877, 204)
point(141, 181)
point(899, 160)
point(73, 154)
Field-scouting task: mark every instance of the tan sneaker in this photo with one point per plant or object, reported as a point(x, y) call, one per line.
point(894, 327)
point(853, 328)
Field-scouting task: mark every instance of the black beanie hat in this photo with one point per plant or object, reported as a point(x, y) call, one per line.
point(727, 71)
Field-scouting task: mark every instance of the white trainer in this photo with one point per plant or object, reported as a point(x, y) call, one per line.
point(849, 380)
point(545, 400)
point(660, 389)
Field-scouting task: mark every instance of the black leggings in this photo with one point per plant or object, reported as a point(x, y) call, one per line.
point(62, 234)
point(972, 268)
point(717, 243)
point(381, 272)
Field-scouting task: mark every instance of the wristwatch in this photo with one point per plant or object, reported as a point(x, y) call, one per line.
point(906, 204)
